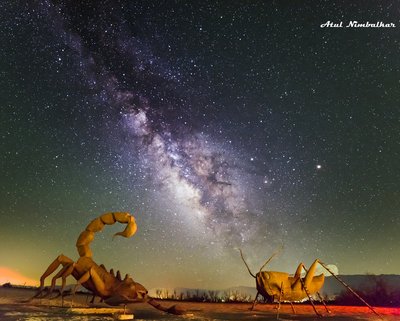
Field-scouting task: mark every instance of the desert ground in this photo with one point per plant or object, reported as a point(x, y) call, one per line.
point(13, 308)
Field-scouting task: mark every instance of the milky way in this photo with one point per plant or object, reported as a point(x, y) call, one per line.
point(200, 175)
point(193, 173)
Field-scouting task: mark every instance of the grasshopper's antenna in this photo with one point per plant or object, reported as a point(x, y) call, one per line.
point(248, 269)
point(272, 256)
point(268, 260)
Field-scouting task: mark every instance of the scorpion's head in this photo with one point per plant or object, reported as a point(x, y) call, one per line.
point(141, 291)
point(128, 291)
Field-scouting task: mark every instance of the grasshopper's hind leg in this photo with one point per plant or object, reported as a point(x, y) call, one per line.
point(310, 274)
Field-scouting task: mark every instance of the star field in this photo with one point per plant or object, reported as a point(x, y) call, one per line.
point(218, 125)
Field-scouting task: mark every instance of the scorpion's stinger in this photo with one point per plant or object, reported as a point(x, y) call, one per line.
point(87, 236)
point(130, 229)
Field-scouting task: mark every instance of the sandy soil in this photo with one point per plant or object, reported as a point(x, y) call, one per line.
point(12, 300)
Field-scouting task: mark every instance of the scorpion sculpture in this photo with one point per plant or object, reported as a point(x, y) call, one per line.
point(112, 289)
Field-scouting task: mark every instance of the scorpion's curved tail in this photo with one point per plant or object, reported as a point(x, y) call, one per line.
point(87, 236)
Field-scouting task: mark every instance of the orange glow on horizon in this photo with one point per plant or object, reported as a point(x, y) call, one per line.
point(9, 275)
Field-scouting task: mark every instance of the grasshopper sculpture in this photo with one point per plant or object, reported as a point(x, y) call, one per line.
point(111, 288)
point(280, 286)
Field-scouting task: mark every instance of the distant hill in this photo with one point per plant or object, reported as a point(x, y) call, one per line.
point(330, 290)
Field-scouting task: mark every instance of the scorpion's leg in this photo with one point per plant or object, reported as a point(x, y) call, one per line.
point(93, 297)
point(97, 281)
point(60, 260)
point(64, 273)
point(310, 274)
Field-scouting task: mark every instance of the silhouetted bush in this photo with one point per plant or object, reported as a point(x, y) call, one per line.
point(203, 296)
point(376, 293)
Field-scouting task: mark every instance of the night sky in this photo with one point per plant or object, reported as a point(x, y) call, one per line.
point(218, 124)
